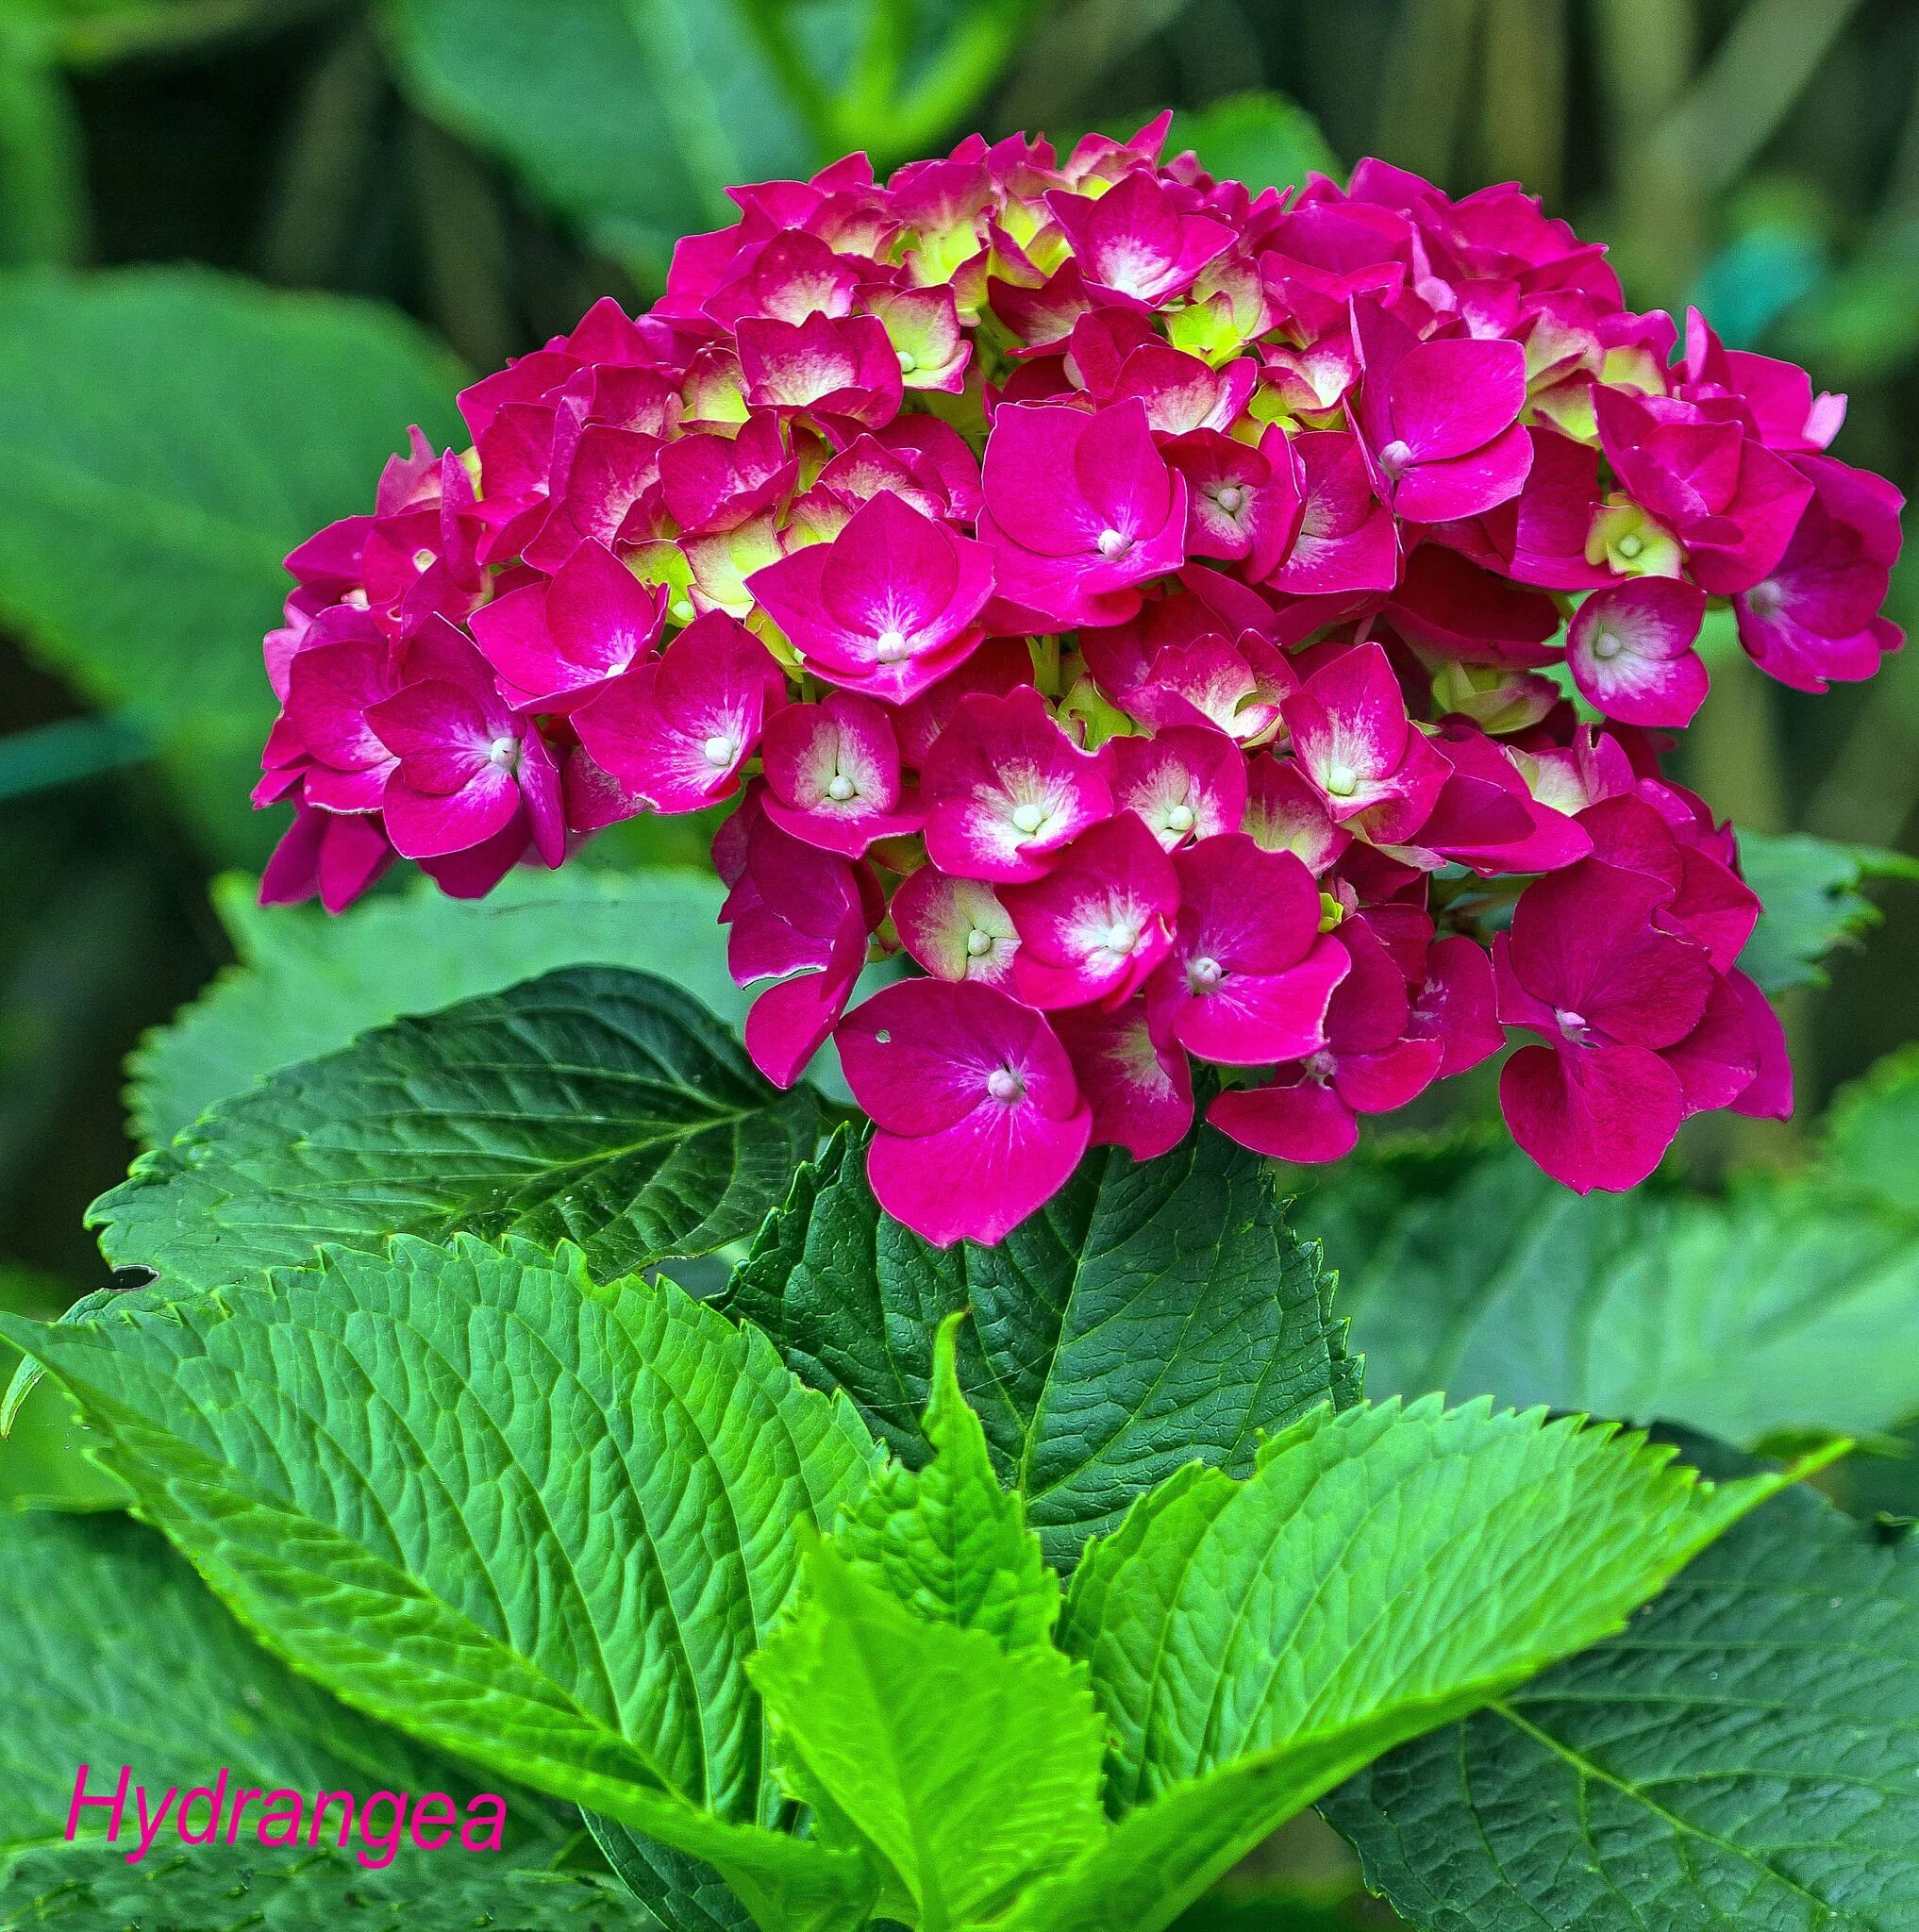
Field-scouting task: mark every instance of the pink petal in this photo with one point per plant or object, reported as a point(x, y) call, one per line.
point(977, 1179)
point(1630, 651)
point(1140, 1091)
point(1299, 1120)
point(1591, 1117)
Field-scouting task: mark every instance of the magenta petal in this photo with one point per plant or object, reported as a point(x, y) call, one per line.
point(1591, 1117)
point(1301, 1121)
point(1770, 1095)
point(1140, 1091)
point(1446, 488)
point(429, 824)
point(979, 1178)
point(1455, 395)
point(1630, 651)
point(1393, 1077)
point(539, 776)
point(1247, 1019)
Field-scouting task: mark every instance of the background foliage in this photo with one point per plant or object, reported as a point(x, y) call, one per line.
point(243, 243)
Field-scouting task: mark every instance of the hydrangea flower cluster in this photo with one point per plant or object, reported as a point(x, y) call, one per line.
point(1176, 624)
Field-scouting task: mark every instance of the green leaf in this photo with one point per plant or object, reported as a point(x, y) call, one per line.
point(1872, 1134)
point(945, 1540)
point(1259, 138)
point(969, 1767)
point(112, 1654)
point(1810, 890)
point(682, 1893)
point(1151, 1313)
point(1745, 1755)
point(1787, 1307)
point(186, 1889)
point(592, 1104)
point(306, 983)
point(629, 116)
point(531, 1520)
point(185, 433)
point(43, 1441)
point(1383, 1570)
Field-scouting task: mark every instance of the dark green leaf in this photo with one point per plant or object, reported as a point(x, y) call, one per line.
point(1151, 1313)
point(306, 983)
point(684, 1894)
point(1746, 1755)
point(592, 1104)
point(169, 436)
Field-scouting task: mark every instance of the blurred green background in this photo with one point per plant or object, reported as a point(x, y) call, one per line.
point(244, 242)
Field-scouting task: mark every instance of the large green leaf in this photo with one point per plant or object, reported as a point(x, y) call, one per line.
point(306, 984)
point(1792, 1304)
point(1871, 1136)
point(112, 1654)
point(1811, 890)
point(532, 1520)
point(966, 1766)
point(1745, 1755)
point(1152, 1312)
point(592, 1104)
point(170, 435)
point(1383, 1570)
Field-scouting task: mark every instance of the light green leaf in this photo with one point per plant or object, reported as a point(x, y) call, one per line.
point(1383, 1570)
point(592, 1104)
point(189, 430)
point(1259, 138)
point(43, 1441)
point(1810, 890)
point(629, 116)
point(1745, 1755)
point(1790, 1305)
point(1151, 1313)
point(945, 1540)
point(531, 1520)
point(969, 1767)
point(306, 984)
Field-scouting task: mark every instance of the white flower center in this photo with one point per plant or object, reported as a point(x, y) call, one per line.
point(1028, 818)
point(1180, 819)
point(1765, 598)
point(422, 559)
point(1631, 546)
point(719, 750)
point(504, 752)
point(1341, 780)
point(1005, 1085)
point(839, 787)
point(1113, 544)
point(1204, 975)
point(1607, 645)
point(891, 646)
point(979, 943)
point(1571, 1023)
point(1122, 936)
point(1320, 1067)
point(1395, 456)
point(908, 361)
point(682, 610)
point(1232, 499)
